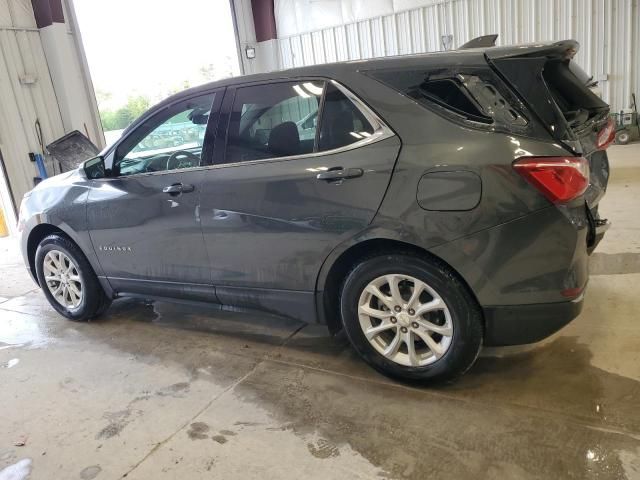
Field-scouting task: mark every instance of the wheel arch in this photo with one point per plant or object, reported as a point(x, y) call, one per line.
point(37, 234)
point(338, 265)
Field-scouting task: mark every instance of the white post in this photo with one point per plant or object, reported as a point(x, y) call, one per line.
point(67, 67)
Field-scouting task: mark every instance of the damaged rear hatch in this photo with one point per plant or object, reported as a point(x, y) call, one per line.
point(561, 94)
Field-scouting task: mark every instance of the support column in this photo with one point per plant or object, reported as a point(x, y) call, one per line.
point(67, 67)
point(257, 36)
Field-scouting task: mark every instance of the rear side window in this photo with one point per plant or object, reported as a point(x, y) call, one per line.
point(288, 119)
point(274, 120)
point(342, 122)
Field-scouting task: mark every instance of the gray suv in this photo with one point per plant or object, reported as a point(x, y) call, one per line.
point(435, 203)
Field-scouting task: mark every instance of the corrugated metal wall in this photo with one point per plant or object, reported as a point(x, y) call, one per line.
point(26, 94)
point(608, 31)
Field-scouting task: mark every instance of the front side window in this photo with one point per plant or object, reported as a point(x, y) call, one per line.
point(275, 120)
point(170, 140)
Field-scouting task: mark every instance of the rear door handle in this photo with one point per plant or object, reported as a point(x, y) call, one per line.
point(340, 174)
point(178, 188)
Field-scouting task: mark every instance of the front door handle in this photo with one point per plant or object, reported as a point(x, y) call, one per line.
point(178, 188)
point(340, 174)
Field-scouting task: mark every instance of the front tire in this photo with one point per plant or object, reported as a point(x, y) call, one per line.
point(411, 318)
point(67, 279)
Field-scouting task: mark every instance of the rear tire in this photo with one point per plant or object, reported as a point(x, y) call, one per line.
point(431, 326)
point(67, 279)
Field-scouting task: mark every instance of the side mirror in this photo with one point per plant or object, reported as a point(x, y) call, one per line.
point(94, 168)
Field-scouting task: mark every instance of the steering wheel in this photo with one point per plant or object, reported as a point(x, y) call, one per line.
point(182, 159)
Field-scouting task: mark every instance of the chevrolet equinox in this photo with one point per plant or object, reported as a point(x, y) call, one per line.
point(426, 204)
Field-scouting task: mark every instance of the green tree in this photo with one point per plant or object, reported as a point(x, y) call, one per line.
point(108, 119)
point(123, 117)
point(137, 105)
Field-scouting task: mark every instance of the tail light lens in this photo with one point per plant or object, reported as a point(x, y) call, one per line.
point(606, 136)
point(560, 179)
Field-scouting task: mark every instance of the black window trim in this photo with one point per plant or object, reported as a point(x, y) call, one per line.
point(381, 131)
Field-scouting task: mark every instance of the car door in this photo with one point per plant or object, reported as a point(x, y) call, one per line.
point(144, 217)
point(279, 200)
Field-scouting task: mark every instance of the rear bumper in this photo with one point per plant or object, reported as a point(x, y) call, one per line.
point(521, 324)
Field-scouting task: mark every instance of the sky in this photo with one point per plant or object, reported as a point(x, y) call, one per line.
point(152, 47)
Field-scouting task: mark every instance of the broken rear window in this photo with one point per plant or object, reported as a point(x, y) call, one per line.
point(471, 97)
point(568, 85)
point(451, 95)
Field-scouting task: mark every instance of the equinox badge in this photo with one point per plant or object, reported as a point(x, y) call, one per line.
point(114, 249)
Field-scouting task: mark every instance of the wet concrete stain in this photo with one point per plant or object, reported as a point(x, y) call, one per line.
point(527, 416)
point(120, 419)
point(117, 422)
point(176, 390)
point(247, 424)
point(221, 439)
point(90, 472)
point(323, 449)
point(558, 377)
point(111, 430)
point(198, 431)
point(196, 316)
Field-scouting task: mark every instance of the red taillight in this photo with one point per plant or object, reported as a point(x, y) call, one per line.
point(560, 179)
point(572, 292)
point(606, 136)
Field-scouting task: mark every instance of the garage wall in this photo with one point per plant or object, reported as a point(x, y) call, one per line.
point(26, 95)
point(43, 78)
point(321, 31)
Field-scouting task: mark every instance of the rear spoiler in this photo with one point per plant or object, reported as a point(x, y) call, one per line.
point(565, 49)
point(484, 41)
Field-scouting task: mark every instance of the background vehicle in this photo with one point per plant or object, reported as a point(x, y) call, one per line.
point(459, 212)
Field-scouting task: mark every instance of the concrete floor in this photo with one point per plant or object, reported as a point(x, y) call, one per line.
point(159, 390)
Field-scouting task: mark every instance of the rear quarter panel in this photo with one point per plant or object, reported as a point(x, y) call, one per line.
point(431, 143)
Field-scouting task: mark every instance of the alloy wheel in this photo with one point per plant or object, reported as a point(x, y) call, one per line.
point(405, 320)
point(63, 279)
